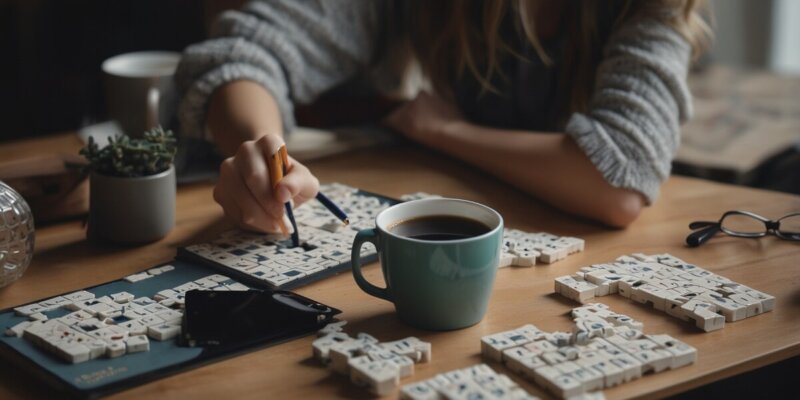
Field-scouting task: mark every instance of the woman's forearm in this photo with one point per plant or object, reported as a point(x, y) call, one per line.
point(245, 122)
point(241, 111)
point(549, 166)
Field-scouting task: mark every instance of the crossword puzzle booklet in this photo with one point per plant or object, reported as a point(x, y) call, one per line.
point(119, 334)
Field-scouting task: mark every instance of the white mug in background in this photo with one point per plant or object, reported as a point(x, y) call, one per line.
point(140, 94)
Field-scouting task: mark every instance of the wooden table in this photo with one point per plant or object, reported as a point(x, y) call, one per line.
point(64, 261)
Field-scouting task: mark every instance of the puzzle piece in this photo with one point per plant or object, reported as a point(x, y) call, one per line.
point(138, 343)
point(492, 346)
point(575, 288)
point(410, 347)
point(380, 377)
point(321, 347)
point(332, 327)
point(138, 277)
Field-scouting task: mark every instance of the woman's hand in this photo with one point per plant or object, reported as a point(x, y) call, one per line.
point(246, 194)
point(424, 119)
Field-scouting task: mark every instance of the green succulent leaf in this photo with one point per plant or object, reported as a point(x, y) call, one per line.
point(132, 157)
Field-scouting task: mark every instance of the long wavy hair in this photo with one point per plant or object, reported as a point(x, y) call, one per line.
point(449, 38)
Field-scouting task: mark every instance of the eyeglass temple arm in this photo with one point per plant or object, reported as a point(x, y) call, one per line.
point(702, 224)
point(697, 238)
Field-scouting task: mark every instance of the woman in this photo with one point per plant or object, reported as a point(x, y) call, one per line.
point(577, 102)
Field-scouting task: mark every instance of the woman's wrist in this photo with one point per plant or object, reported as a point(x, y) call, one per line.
point(451, 130)
point(241, 111)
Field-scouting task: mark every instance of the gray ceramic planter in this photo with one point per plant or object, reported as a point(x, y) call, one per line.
point(131, 210)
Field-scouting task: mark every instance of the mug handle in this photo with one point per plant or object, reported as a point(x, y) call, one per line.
point(366, 235)
point(151, 116)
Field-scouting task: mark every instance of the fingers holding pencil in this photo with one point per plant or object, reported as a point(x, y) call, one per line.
point(299, 185)
point(252, 168)
point(238, 203)
point(291, 180)
point(285, 193)
point(246, 193)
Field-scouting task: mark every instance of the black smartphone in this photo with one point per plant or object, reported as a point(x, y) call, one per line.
point(234, 318)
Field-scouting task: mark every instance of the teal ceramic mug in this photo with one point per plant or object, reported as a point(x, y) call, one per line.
point(434, 284)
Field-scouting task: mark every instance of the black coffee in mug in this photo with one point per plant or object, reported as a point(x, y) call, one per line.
point(439, 228)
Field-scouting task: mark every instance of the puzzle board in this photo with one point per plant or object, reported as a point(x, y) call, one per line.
point(103, 375)
point(269, 261)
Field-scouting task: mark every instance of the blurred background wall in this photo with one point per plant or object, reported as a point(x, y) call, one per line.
point(51, 51)
point(760, 33)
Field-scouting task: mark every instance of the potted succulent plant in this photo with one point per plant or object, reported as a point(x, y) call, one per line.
point(132, 187)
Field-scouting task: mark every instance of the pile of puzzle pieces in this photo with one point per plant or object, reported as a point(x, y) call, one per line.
point(523, 249)
point(668, 284)
point(604, 349)
point(112, 325)
point(369, 363)
point(476, 382)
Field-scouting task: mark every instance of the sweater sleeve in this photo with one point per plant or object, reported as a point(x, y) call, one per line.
point(294, 49)
point(631, 130)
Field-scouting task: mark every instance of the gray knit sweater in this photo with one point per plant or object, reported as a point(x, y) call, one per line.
point(299, 49)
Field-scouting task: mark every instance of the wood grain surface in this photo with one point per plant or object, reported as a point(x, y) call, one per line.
point(65, 261)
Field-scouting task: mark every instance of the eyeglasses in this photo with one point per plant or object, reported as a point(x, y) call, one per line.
point(747, 225)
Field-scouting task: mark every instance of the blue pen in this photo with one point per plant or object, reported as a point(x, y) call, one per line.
point(332, 207)
point(288, 206)
point(295, 235)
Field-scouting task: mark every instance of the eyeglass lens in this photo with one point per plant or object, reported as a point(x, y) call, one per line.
point(743, 224)
point(790, 225)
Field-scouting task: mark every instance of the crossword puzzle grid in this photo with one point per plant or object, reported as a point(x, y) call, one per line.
point(327, 243)
point(605, 349)
point(671, 285)
point(110, 326)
